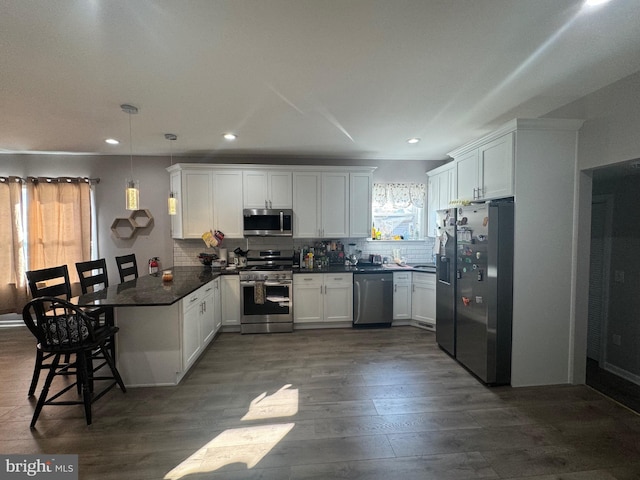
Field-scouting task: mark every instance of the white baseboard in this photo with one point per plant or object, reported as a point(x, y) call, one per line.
point(622, 373)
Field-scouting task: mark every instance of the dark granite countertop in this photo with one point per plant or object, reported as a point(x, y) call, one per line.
point(371, 268)
point(150, 290)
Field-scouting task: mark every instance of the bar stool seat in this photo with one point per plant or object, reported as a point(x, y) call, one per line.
point(62, 328)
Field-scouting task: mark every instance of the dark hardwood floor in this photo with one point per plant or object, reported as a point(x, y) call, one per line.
point(326, 404)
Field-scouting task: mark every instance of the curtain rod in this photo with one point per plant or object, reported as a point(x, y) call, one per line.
point(90, 181)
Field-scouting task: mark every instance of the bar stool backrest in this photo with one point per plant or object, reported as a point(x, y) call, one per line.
point(50, 282)
point(91, 274)
point(127, 267)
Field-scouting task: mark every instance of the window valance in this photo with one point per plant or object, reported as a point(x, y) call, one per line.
point(399, 195)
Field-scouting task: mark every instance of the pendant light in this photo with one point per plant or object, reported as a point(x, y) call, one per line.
point(132, 197)
point(172, 203)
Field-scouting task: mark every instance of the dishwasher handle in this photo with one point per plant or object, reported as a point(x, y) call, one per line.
point(356, 303)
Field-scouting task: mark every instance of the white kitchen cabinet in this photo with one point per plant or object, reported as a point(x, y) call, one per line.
point(201, 320)
point(321, 204)
point(207, 316)
point(194, 200)
point(267, 189)
point(423, 299)
point(230, 300)
point(322, 297)
point(360, 197)
point(191, 328)
point(335, 205)
point(227, 203)
point(401, 298)
point(308, 299)
point(207, 199)
point(441, 191)
point(487, 171)
point(338, 297)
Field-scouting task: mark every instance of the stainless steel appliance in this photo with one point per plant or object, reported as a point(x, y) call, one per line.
point(266, 292)
point(267, 222)
point(372, 299)
point(446, 280)
point(484, 290)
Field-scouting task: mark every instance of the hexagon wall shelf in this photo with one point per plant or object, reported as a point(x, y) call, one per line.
point(125, 228)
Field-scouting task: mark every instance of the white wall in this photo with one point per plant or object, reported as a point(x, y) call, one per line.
point(154, 180)
point(609, 136)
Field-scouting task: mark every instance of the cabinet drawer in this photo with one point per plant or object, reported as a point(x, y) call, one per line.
point(334, 279)
point(307, 279)
point(402, 277)
point(424, 278)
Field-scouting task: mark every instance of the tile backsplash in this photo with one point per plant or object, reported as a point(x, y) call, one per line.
point(185, 252)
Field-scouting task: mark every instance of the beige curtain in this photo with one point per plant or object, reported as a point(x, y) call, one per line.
point(13, 288)
point(59, 224)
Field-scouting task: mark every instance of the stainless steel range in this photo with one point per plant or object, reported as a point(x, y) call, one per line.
point(266, 292)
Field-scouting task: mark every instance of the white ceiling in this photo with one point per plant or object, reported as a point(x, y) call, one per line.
point(332, 78)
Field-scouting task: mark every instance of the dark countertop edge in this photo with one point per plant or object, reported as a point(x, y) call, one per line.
point(368, 269)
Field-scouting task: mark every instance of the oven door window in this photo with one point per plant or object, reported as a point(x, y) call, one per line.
point(276, 300)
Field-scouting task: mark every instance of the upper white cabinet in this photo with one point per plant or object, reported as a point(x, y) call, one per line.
point(207, 199)
point(360, 196)
point(486, 171)
point(441, 190)
point(193, 194)
point(267, 189)
point(227, 202)
point(330, 204)
point(335, 205)
point(307, 201)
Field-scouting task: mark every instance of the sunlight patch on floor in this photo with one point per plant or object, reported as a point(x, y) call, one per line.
point(283, 403)
point(246, 445)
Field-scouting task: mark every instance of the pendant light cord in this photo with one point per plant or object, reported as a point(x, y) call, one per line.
point(130, 146)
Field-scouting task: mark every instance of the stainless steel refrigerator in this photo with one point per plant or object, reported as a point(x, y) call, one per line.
point(484, 290)
point(446, 280)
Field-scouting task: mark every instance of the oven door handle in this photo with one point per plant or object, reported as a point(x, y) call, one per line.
point(251, 283)
point(277, 284)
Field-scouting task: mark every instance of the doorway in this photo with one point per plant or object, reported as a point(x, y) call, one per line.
point(598, 376)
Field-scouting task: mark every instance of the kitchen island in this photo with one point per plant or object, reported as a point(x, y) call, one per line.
point(164, 326)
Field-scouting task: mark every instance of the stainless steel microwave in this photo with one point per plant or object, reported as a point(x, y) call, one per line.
point(267, 222)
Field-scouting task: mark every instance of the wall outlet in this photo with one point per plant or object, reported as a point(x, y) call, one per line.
point(618, 276)
point(616, 339)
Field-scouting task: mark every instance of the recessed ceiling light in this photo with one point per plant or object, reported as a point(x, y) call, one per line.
point(413, 140)
point(112, 141)
point(230, 136)
point(595, 3)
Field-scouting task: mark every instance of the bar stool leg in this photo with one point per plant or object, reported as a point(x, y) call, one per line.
point(45, 389)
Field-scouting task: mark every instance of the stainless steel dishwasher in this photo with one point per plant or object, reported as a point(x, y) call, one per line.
point(372, 299)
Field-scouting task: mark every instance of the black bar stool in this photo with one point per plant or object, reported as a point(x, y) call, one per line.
point(62, 328)
point(93, 274)
point(49, 282)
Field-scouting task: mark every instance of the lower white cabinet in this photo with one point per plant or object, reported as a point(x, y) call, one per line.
point(230, 299)
point(322, 297)
point(401, 298)
point(423, 299)
point(201, 319)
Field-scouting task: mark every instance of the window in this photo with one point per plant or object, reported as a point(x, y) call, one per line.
point(398, 211)
point(48, 222)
